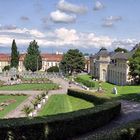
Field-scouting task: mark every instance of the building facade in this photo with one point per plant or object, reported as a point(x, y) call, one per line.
point(4, 61)
point(48, 60)
point(111, 67)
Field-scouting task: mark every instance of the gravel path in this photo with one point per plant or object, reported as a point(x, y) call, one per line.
point(130, 111)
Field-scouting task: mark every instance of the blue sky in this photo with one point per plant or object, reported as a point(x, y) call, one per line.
point(59, 25)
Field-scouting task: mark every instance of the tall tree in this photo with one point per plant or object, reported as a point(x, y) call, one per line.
point(33, 60)
point(73, 61)
point(134, 64)
point(14, 55)
point(120, 50)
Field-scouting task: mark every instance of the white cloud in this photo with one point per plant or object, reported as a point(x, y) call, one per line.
point(63, 38)
point(72, 8)
point(22, 32)
point(113, 18)
point(108, 24)
point(8, 27)
point(98, 6)
point(61, 17)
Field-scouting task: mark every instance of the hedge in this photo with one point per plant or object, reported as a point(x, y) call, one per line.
point(96, 98)
point(85, 82)
point(62, 126)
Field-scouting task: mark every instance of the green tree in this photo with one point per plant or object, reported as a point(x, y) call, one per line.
point(72, 61)
point(120, 50)
point(53, 69)
point(6, 68)
point(27, 110)
point(33, 60)
point(134, 64)
point(14, 55)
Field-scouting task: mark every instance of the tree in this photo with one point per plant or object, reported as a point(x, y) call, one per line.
point(27, 110)
point(134, 64)
point(14, 55)
point(72, 61)
point(53, 69)
point(33, 60)
point(120, 50)
point(6, 68)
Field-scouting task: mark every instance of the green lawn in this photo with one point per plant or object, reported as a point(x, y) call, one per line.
point(41, 86)
point(63, 103)
point(124, 92)
point(11, 106)
point(85, 76)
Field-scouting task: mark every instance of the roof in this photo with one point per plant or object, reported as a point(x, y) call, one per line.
point(21, 57)
point(102, 52)
point(52, 57)
point(4, 57)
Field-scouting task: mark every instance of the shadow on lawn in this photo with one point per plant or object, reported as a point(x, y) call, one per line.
point(130, 96)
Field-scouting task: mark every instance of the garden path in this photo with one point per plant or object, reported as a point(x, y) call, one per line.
point(32, 94)
point(130, 111)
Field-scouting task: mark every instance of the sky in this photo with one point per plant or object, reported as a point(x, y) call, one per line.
point(59, 25)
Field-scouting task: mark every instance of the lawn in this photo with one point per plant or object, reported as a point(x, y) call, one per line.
point(5, 98)
point(41, 86)
point(63, 103)
point(124, 92)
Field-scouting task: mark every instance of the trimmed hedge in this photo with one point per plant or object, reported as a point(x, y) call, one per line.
point(96, 98)
point(85, 82)
point(62, 126)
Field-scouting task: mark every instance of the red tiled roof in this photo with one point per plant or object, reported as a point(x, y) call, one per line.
point(4, 57)
point(47, 57)
point(21, 57)
point(52, 57)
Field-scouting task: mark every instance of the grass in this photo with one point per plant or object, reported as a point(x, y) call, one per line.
point(63, 103)
point(12, 106)
point(124, 92)
point(42, 86)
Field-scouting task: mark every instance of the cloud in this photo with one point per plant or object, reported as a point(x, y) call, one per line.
point(113, 18)
point(98, 6)
point(24, 18)
point(125, 43)
point(61, 17)
point(63, 38)
point(108, 24)
point(111, 21)
point(8, 27)
point(72, 8)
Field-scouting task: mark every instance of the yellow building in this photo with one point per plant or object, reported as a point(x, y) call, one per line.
point(111, 67)
point(4, 61)
point(48, 60)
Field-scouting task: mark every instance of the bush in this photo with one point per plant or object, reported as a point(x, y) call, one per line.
point(85, 82)
point(96, 98)
point(53, 69)
point(6, 68)
point(61, 126)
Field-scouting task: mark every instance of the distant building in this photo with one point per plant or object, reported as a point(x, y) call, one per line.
point(48, 60)
point(4, 61)
point(111, 67)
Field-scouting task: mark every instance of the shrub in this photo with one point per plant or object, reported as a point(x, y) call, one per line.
point(60, 126)
point(85, 82)
point(6, 68)
point(53, 69)
point(96, 98)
